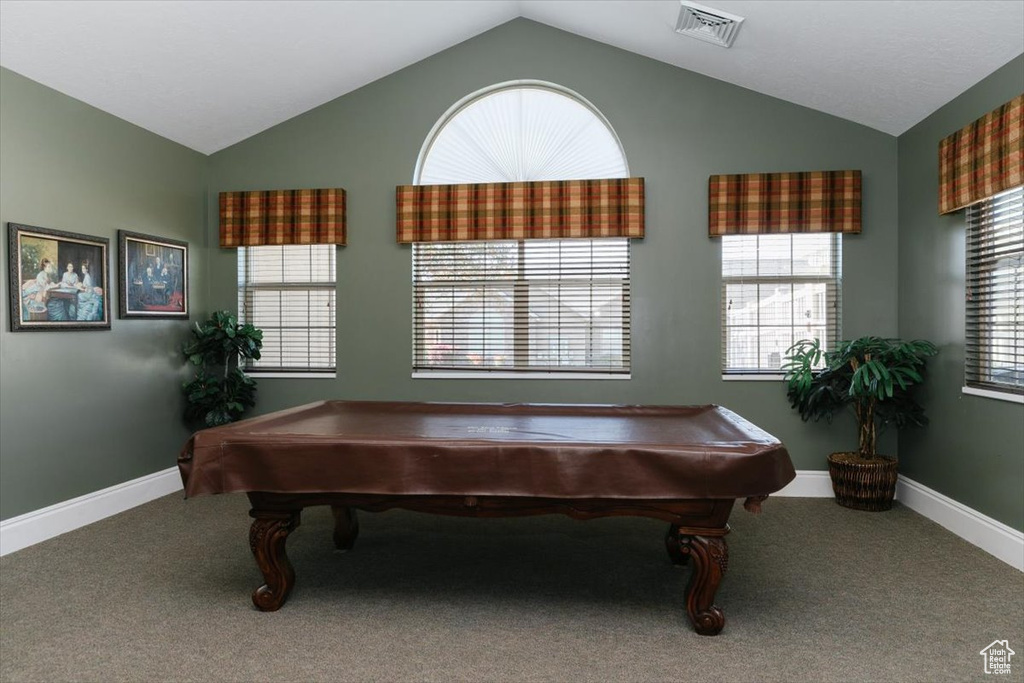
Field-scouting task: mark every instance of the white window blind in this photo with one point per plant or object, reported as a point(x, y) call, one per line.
point(777, 290)
point(994, 343)
point(289, 293)
point(531, 305)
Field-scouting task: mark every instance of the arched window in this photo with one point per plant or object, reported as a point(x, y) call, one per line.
point(521, 306)
point(524, 130)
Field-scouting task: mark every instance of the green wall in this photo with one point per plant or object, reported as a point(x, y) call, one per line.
point(973, 451)
point(677, 128)
point(80, 411)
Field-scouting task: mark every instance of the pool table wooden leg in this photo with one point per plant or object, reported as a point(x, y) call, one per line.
point(346, 526)
point(267, 537)
point(675, 554)
point(710, 560)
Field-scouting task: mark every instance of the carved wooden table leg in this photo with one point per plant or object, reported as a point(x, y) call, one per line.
point(267, 537)
point(346, 526)
point(672, 545)
point(710, 560)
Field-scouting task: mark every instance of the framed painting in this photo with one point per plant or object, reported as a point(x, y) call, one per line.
point(58, 280)
point(153, 274)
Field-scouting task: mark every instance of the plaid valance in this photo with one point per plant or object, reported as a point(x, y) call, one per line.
point(552, 209)
point(984, 158)
point(765, 203)
point(253, 219)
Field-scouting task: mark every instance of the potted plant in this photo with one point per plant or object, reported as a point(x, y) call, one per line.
point(221, 391)
point(874, 377)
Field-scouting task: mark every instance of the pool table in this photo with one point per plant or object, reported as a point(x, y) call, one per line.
point(685, 465)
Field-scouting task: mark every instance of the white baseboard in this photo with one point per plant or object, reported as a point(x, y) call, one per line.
point(988, 534)
point(808, 484)
point(37, 526)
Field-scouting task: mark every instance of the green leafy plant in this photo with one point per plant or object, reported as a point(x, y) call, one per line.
point(221, 391)
point(874, 377)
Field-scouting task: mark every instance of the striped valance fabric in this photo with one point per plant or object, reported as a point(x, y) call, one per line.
point(767, 203)
point(270, 217)
point(555, 209)
point(983, 158)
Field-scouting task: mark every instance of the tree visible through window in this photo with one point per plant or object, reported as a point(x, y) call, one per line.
point(529, 305)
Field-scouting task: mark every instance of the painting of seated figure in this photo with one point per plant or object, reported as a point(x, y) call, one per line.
point(153, 276)
point(58, 280)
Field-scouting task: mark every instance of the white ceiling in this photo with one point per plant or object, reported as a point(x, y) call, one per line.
point(209, 74)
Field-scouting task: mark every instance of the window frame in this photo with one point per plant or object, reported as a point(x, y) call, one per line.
point(975, 220)
point(247, 288)
point(833, 285)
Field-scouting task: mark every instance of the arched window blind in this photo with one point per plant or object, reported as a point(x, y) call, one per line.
point(529, 306)
point(521, 132)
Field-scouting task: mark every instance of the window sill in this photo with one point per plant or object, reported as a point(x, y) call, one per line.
point(997, 395)
point(516, 375)
point(753, 378)
point(292, 375)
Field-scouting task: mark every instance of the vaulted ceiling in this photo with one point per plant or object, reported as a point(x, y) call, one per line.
point(209, 74)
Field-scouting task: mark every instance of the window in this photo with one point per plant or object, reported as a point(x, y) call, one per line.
point(994, 344)
point(288, 292)
point(777, 290)
point(529, 306)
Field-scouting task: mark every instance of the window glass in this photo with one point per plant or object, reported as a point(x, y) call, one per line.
point(289, 293)
point(994, 339)
point(534, 305)
point(777, 290)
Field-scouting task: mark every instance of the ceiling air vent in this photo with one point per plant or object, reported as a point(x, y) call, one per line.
point(708, 24)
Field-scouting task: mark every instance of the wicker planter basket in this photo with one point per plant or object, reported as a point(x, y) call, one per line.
point(863, 484)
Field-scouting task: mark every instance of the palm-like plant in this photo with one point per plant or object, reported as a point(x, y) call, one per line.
point(874, 377)
point(221, 344)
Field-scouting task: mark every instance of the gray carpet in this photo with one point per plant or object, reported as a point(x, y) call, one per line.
point(814, 592)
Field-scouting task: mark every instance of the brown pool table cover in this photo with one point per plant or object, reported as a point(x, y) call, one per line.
point(532, 450)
